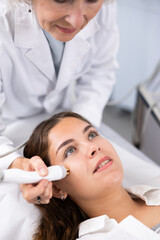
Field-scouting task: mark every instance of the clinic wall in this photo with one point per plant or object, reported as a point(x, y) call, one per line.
point(139, 52)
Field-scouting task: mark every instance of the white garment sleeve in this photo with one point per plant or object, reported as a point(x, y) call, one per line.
point(94, 89)
point(5, 143)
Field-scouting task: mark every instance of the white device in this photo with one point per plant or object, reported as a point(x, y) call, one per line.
point(20, 176)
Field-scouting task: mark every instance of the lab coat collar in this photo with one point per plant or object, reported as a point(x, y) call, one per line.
point(91, 28)
point(28, 33)
point(29, 36)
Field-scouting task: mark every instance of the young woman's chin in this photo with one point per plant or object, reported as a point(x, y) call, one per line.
point(111, 175)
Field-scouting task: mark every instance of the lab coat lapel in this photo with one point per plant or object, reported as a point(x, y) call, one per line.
point(41, 57)
point(29, 36)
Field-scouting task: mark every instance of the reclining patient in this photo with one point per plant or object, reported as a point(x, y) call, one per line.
point(94, 185)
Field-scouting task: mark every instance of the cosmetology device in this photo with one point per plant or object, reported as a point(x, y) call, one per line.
point(20, 176)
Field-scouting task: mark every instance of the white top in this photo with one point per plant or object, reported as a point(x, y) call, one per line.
point(103, 227)
point(19, 219)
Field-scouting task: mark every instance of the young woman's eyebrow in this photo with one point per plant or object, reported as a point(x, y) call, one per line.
point(63, 144)
point(86, 128)
point(71, 140)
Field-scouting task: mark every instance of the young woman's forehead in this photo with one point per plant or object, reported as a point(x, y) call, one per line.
point(68, 127)
point(70, 124)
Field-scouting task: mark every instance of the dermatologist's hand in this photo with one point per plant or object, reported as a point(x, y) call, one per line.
point(42, 190)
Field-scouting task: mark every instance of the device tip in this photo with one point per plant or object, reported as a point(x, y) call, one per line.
point(68, 171)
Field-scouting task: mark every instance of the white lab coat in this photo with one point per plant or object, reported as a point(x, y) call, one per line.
point(28, 84)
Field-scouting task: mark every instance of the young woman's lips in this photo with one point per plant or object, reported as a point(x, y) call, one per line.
point(103, 164)
point(66, 30)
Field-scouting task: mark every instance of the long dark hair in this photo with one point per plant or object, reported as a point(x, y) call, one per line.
point(60, 219)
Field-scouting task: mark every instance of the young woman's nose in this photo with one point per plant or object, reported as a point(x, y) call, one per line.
point(92, 151)
point(76, 16)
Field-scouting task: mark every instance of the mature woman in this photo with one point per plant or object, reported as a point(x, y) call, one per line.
point(55, 54)
point(94, 186)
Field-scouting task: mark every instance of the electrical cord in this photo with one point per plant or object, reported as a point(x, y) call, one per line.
point(13, 150)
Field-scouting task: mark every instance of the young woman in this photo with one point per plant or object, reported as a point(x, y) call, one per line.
point(94, 185)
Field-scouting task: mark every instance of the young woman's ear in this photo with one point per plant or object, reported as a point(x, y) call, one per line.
point(58, 193)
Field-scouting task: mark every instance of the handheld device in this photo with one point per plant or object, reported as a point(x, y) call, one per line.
point(20, 176)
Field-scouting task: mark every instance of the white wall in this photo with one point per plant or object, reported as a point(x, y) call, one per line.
point(139, 25)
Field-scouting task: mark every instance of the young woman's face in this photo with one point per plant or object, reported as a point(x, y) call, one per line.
point(95, 168)
point(63, 19)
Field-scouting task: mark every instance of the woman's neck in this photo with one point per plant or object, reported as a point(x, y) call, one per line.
point(117, 205)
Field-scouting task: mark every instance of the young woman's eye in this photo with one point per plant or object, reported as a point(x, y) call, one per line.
point(69, 151)
point(92, 1)
point(92, 135)
point(61, 1)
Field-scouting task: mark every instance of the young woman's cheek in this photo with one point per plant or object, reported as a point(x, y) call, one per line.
point(77, 166)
